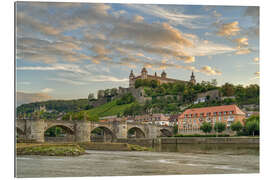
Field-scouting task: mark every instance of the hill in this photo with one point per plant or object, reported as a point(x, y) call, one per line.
point(108, 109)
point(55, 105)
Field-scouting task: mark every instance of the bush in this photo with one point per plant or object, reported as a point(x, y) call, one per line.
point(206, 127)
point(252, 127)
point(236, 126)
point(220, 127)
point(126, 99)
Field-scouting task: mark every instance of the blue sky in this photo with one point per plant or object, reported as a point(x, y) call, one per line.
point(67, 50)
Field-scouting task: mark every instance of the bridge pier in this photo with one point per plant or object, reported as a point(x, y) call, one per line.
point(34, 130)
point(82, 131)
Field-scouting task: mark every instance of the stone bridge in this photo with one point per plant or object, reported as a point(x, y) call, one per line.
point(34, 129)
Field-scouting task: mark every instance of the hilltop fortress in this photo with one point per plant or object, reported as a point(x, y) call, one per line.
point(161, 79)
point(107, 95)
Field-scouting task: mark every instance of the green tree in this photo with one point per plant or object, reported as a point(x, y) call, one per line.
point(228, 89)
point(252, 127)
point(220, 127)
point(236, 126)
point(206, 127)
point(175, 129)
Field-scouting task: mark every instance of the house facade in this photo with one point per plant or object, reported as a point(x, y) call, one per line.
point(191, 119)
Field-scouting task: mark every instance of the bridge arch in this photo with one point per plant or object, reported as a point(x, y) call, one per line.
point(19, 131)
point(64, 133)
point(165, 132)
point(135, 132)
point(102, 134)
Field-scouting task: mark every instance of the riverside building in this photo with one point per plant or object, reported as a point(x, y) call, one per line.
point(191, 119)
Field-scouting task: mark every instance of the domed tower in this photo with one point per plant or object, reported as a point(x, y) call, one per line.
point(163, 74)
point(131, 79)
point(144, 73)
point(192, 78)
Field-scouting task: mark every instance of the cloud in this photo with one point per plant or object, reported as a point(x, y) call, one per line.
point(24, 98)
point(47, 90)
point(157, 34)
point(138, 19)
point(229, 29)
point(241, 41)
point(241, 51)
point(108, 36)
point(189, 59)
point(252, 11)
point(26, 21)
point(56, 67)
point(210, 71)
point(67, 81)
point(256, 59)
point(173, 16)
point(24, 83)
point(102, 78)
point(257, 74)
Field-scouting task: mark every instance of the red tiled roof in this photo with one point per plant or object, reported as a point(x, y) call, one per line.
point(213, 109)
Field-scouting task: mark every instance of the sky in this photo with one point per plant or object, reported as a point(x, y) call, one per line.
point(68, 50)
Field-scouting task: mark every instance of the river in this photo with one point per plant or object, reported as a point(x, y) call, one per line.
point(165, 160)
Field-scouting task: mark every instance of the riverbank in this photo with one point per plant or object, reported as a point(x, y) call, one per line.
point(72, 149)
point(148, 142)
point(112, 146)
point(49, 149)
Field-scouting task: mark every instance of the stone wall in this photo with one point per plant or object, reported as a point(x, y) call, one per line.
point(210, 140)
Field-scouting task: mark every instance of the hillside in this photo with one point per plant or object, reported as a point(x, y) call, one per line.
point(56, 105)
point(108, 109)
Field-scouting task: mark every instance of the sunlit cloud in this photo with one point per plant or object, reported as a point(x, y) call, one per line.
point(24, 98)
point(210, 71)
point(229, 29)
point(47, 90)
point(256, 59)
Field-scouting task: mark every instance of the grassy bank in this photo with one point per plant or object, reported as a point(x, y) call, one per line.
point(112, 146)
point(72, 149)
point(49, 149)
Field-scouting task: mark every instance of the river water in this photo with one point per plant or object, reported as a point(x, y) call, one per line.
point(167, 159)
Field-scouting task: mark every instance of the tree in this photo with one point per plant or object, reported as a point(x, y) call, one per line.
point(214, 82)
point(91, 97)
point(236, 126)
point(175, 129)
point(228, 89)
point(206, 127)
point(220, 127)
point(252, 127)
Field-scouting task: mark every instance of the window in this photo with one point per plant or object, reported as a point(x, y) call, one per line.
point(220, 113)
point(225, 112)
point(194, 121)
point(215, 113)
point(208, 114)
point(201, 114)
point(219, 118)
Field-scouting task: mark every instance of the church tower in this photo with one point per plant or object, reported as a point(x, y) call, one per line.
point(192, 78)
point(163, 74)
point(144, 73)
point(131, 79)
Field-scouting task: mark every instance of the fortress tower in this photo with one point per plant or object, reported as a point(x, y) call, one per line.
point(192, 78)
point(161, 79)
